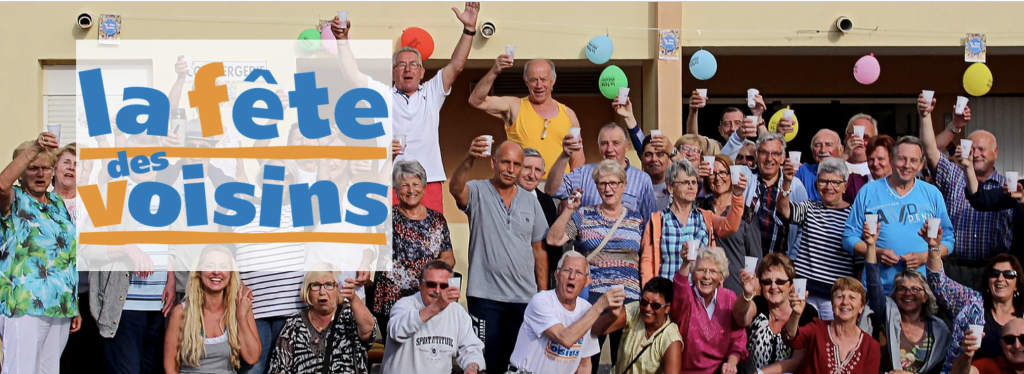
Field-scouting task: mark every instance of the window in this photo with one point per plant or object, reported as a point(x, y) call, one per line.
point(61, 87)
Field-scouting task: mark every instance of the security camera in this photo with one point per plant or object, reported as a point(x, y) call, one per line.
point(487, 29)
point(84, 20)
point(844, 24)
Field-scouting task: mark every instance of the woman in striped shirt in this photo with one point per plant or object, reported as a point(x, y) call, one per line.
point(821, 259)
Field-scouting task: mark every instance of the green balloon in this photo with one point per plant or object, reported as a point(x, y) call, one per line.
point(611, 79)
point(309, 40)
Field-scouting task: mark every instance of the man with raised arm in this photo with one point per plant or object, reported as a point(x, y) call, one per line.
point(979, 235)
point(536, 121)
point(732, 126)
point(415, 112)
point(508, 263)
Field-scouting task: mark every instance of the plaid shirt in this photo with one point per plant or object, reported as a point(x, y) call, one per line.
point(773, 231)
point(978, 235)
point(674, 234)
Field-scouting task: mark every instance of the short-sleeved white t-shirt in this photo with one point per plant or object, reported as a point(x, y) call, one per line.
point(418, 118)
point(536, 352)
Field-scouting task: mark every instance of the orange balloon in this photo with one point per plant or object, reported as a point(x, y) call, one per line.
point(420, 39)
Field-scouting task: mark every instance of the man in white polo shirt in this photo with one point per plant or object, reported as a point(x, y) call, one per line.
point(416, 108)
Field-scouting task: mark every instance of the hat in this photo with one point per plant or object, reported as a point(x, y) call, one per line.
point(194, 131)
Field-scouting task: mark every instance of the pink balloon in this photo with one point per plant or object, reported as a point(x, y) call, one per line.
point(328, 40)
point(866, 70)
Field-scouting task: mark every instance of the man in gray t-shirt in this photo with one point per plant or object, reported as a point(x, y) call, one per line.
point(507, 260)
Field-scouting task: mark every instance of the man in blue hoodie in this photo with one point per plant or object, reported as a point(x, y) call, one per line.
point(903, 205)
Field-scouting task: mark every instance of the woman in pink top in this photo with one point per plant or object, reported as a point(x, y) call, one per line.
point(712, 341)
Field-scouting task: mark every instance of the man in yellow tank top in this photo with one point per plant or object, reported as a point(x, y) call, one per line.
point(536, 121)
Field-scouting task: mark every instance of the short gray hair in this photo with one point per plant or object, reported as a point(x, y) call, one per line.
point(612, 125)
point(907, 139)
point(609, 167)
point(747, 142)
point(874, 122)
point(835, 166)
point(573, 254)
point(768, 136)
point(530, 152)
point(404, 169)
point(435, 265)
point(684, 166)
point(716, 255)
point(526, 69)
point(419, 57)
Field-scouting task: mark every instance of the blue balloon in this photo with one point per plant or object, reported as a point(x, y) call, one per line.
point(703, 65)
point(599, 50)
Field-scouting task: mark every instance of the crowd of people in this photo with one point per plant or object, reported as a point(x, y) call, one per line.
point(719, 254)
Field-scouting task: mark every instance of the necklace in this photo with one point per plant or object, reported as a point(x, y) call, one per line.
point(415, 213)
point(775, 316)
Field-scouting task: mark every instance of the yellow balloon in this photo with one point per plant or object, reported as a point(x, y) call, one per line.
point(773, 125)
point(977, 79)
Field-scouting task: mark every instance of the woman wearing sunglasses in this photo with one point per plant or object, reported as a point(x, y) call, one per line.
point(651, 343)
point(765, 314)
point(912, 338)
point(999, 302)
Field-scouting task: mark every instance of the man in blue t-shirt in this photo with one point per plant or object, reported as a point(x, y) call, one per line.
point(902, 204)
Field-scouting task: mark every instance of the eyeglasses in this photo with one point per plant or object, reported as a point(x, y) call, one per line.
point(745, 158)
point(432, 284)
point(1008, 274)
point(544, 134)
point(330, 286)
point(773, 154)
point(910, 290)
point(778, 282)
point(654, 306)
point(691, 150)
point(579, 274)
point(721, 175)
point(36, 169)
point(707, 271)
point(604, 185)
point(403, 65)
point(685, 183)
point(1008, 339)
point(830, 183)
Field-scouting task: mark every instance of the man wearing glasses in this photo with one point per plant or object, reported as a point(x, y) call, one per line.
point(1011, 362)
point(763, 195)
point(430, 328)
point(536, 121)
point(416, 106)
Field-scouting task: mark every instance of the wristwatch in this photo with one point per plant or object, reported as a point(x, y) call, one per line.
point(933, 249)
point(675, 152)
point(787, 192)
point(469, 32)
point(952, 130)
point(473, 366)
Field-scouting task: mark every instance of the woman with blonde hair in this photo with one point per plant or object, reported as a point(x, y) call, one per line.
point(213, 330)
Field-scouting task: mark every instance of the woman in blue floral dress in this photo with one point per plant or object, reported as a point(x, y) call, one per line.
point(38, 276)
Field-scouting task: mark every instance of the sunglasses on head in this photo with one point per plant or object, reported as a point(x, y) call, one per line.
point(1008, 274)
point(1008, 339)
point(654, 306)
point(431, 284)
point(778, 282)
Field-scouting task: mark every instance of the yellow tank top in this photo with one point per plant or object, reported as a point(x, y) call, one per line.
point(529, 126)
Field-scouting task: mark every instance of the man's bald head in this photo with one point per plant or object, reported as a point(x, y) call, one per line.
point(509, 150)
point(507, 163)
point(982, 135)
point(825, 144)
point(1014, 327)
point(984, 153)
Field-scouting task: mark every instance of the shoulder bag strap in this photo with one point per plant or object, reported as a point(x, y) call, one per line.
point(325, 368)
point(638, 355)
point(607, 237)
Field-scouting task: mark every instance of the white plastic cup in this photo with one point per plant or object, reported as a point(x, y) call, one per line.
point(788, 114)
point(750, 264)
point(54, 128)
point(794, 157)
point(710, 160)
point(343, 17)
point(961, 104)
point(703, 92)
point(490, 142)
point(1011, 180)
point(511, 51)
point(575, 132)
point(965, 147)
point(753, 119)
point(736, 171)
point(618, 287)
point(655, 132)
point(694, 247)
point(455, 282)
point(623, 95)
point(933, 227)
point(872, 222)
point(189, 62)
point(750, 97)
point(928, 96)
point(859, 131)
point(976, 331)
point(800, 285)
point(401, 142)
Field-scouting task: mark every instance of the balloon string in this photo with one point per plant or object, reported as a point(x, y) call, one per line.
point(394, 22)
